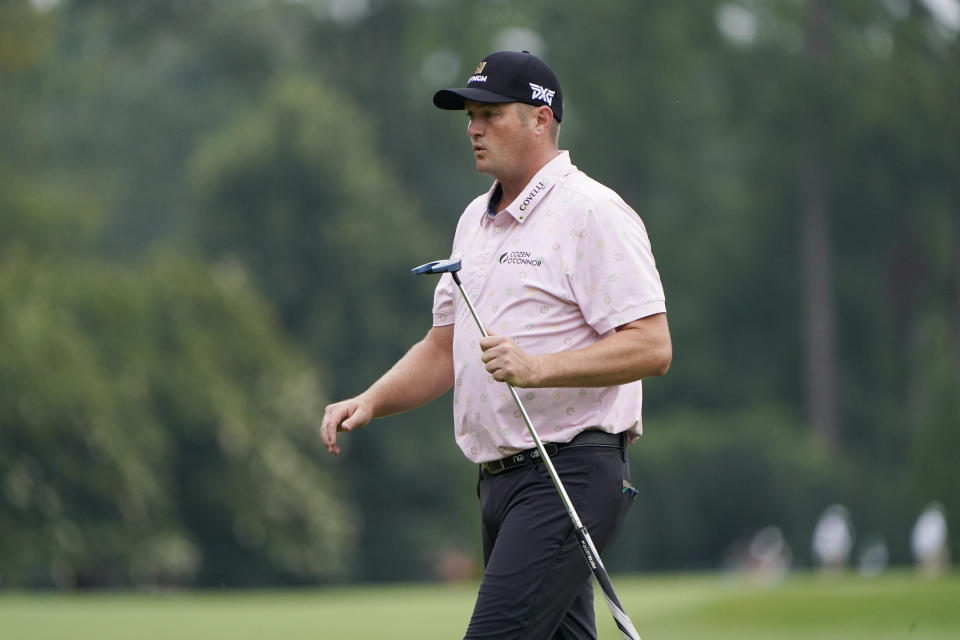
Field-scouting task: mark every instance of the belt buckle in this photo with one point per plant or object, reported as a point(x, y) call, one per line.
point(494, 466)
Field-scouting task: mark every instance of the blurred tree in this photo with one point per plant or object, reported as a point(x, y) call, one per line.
point(155, 425)
point(156, 429)
point(709, 483)
point(292, 186)
point(24, 36)
point(142, 80)
point(882, 130)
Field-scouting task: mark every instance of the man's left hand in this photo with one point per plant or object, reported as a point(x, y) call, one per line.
point(507, 362)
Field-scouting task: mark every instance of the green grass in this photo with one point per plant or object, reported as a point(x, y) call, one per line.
point(701, 607)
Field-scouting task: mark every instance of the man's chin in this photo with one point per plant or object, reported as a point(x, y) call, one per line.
point(484, 167)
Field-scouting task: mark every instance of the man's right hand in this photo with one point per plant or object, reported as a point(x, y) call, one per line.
point(345, 415)
point(423, 374)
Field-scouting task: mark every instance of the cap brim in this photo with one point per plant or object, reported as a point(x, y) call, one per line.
point(453, 99)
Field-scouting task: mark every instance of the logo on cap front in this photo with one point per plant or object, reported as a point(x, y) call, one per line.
point(542, 93)
point(477, 74)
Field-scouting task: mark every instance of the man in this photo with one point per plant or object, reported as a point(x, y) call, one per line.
point(561, 272)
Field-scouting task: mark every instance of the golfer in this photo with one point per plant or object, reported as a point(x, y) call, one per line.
point(560, 270)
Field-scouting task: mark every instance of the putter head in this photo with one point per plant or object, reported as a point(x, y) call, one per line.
point(438, 266)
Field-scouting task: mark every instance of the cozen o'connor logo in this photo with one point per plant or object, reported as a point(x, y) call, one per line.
point(520, 257)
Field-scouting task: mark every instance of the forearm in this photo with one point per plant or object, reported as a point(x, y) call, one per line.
point(423, 374)
point(641, 349)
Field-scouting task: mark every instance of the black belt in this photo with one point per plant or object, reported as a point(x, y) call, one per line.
point(589, 438)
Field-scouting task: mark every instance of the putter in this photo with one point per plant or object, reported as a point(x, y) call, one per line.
point(627, 630)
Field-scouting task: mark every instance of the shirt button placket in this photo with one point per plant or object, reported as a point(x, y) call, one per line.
point(481, 266)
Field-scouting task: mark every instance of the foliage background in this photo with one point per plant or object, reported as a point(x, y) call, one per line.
point(208, 210)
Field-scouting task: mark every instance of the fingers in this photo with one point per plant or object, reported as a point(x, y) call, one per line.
point(341, 416)
point(492, 341)
point(506, 362)
point(490, 347)
point(332, 417)
point(358, 418)
point(494, 355)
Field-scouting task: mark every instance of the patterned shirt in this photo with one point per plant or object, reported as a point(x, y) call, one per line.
point(560, 268)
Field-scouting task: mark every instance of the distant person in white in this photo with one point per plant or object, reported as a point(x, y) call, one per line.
point(929, 541)
point(833, 538)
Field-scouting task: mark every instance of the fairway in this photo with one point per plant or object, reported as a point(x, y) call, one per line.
point(701, 607)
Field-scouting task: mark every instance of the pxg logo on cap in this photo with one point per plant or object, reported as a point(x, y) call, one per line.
point(507, 76)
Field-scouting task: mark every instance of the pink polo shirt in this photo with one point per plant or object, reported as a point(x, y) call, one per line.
point(560, 268)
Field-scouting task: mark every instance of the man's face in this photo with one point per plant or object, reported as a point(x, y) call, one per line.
point(499, 134)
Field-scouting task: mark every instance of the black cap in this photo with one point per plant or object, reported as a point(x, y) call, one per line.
point(508, 76)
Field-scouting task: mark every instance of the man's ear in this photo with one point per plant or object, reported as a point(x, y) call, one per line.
point(544, 117)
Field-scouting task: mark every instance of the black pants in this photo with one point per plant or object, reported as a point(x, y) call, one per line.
point(536, 583)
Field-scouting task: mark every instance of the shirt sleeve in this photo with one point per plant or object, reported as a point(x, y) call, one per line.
point(446, 291)
point(612, 274)
point(443, 297)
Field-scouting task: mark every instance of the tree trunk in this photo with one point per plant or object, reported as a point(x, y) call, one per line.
point(954, 314)
point(815, 239)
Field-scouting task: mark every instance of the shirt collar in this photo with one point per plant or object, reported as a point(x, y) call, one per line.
point(533, 194)
point(493, 200)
